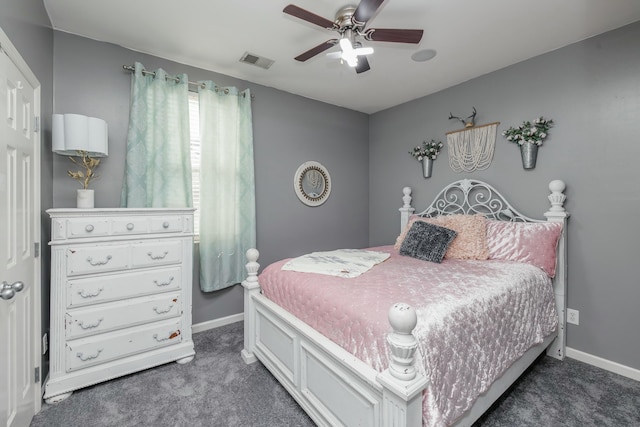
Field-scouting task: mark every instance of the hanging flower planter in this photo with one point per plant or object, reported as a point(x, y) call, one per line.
point(427, 153)
point(427, 165)
point(529, 137)
point(529, 153)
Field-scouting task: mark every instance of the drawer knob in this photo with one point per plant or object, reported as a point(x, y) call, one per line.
point(165, 224)
point(164, 283)
point(157, 257)
point(84, 358)
point(89, 228)
point(90, 325)
point(163, 311)
point(84, 294)
point(97, 263)
point(130, 226)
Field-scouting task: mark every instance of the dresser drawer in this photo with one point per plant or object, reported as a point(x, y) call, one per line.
point(123, 222)
point(97, 259)
point(157, 253)
point(95, 290)
point(87, 227)
point(85, 352)
point(109, 317)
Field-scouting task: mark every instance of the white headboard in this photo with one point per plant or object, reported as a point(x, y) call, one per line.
point(469, 197)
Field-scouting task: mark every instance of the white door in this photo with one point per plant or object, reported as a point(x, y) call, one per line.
point(19, 231)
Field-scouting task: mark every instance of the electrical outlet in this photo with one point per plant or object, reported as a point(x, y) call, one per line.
point(45, 343)
point(573, 316)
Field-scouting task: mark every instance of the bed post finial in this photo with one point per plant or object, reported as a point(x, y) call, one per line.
point(402, 384)
point(403, 344)
point(557, 212)
point(406, 210)
point(557, 197)
point(252, 266)
point(407, 197)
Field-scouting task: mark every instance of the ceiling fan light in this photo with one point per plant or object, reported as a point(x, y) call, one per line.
point(350, 57)
point(345, 45)
point(364, 51)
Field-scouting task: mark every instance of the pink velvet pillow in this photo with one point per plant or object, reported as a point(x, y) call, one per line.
point(471, 241)
point(531, 242)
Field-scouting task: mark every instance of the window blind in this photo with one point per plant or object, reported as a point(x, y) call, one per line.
point(194, 139)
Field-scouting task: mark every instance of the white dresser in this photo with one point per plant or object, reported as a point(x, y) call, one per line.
point(120, 294)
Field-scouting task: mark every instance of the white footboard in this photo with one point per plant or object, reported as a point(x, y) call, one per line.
point(331, 385)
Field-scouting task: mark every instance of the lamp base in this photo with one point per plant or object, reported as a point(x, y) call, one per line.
point(85, 199)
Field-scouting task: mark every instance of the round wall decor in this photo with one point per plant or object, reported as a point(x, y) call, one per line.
point(312, 183)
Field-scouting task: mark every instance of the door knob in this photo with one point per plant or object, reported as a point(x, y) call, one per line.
point(8, 291)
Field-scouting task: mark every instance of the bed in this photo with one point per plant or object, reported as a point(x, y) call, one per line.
point(372, 374)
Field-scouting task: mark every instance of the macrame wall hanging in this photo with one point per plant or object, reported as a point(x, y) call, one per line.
point(471, 148)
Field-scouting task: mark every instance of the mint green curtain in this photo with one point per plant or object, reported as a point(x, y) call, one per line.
point(227, 186)
point(158, 160)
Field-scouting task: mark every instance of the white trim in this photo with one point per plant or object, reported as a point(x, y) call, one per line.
point(17, 59)
point(608, 365)
point(14, 55)
point(216, 323)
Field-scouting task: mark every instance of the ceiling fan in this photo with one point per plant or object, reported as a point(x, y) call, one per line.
point(349, 23)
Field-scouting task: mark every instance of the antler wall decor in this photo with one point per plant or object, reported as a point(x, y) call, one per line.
point(471, 148)
point(467, 123)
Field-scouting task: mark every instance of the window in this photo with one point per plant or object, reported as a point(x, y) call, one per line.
point(194, 132)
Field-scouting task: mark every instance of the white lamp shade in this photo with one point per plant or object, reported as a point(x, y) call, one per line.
point(73, 132)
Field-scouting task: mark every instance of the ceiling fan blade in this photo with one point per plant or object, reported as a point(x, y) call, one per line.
point(393, 35)
point(316, 50)
point(363, 65)
point(365, 10)
point(305, 15)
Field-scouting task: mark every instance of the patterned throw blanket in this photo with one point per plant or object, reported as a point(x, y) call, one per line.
point(346, 263)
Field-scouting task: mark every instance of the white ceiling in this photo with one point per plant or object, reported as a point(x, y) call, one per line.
point(471, 37)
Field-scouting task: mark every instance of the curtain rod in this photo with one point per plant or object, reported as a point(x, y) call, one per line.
point(177, 79)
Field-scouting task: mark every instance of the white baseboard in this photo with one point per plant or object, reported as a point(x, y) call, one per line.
point(216, 323)
point(605, 364)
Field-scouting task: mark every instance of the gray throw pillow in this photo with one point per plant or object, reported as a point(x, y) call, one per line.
point(427, 242)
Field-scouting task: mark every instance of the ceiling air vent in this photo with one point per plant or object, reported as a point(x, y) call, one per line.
point(250, 58)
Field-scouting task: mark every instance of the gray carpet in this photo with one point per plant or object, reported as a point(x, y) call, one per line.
point(218, 389)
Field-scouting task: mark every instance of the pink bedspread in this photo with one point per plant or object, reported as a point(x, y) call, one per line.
point(475, 318)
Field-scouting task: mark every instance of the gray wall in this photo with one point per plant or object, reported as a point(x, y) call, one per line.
point(592, 91)
point(288, 130)
point(27, 25)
